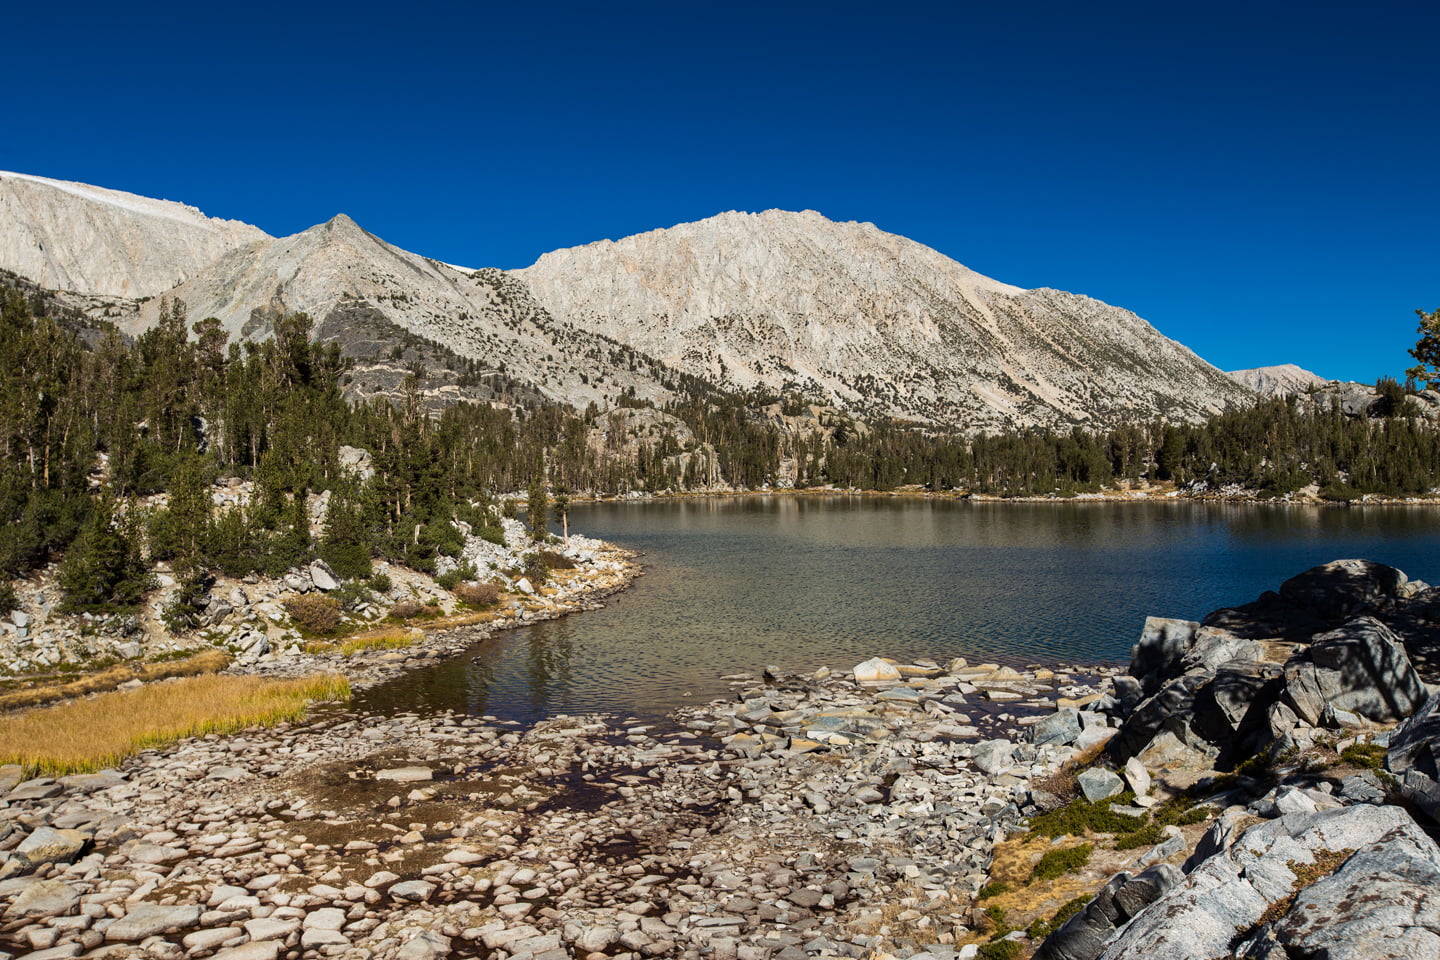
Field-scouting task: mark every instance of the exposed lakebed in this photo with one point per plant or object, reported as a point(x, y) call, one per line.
point(733, 584)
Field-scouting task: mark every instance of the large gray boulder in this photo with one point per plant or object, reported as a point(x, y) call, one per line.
point(1223, 901)
point(1414, 757)
point(1361, 668)
point(1084, 935)
point(1339, 590)
point(1156, 657)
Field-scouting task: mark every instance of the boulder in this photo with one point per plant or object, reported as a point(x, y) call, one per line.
point(876, 670)
point(1361, 668)
point(1413, 756)
point(48, 845)
point(323, 577)
point(1384, 902)
point(994, 757)
point(1084, 935)
point(1098, 784)
point(1137, 776)
point(1062, 728)
point(1227, 894)
point(1267, 618)
point(1171, 711)
point(1337, 591)
point(1162, 645)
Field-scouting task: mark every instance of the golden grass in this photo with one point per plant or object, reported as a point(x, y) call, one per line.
point(88, 735)
point(393, 639)
point(208, 661)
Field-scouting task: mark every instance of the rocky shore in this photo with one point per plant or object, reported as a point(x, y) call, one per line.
point(249, 619)
point(864, 813)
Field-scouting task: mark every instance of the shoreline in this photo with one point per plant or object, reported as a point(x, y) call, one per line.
point(1107, 497)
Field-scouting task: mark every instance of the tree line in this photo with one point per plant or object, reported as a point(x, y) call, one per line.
point(90, 422)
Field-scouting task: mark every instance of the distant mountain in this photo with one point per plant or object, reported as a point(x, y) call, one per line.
point(72, 236)
point(843, 313)
point(872, 322)
point(1278, 381)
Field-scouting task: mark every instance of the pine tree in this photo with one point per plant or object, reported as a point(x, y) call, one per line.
point(104, 570)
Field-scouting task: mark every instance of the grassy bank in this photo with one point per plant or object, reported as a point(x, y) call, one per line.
point(108, 678)
point(87, 735)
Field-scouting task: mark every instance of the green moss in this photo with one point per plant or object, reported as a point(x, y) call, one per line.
point(1000, 950)
point(1057, 863)
point(993, 889)
point(1080, 817)
point(1367, 756)
point(1068, 910)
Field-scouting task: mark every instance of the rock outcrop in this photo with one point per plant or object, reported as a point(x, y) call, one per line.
point(1335, 648)
point(1308, 857)
point(1359, 883)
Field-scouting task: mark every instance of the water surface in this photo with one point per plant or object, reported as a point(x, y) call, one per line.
point(735, 584)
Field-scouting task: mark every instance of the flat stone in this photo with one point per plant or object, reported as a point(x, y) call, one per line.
point(326, 918)
point(41, 788)
point(427, 945)
point(416, 891)
point(211, 939)
point(381, 878)
point(93, 782)
point(406, 774)
point(268, 928)
point(44, 898)
point(321, 938)
point(148, 920)
point(255, 950)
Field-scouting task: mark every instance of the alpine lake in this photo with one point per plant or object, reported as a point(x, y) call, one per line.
point(736, 584)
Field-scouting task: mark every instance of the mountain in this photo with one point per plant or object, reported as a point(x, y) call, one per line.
point(842, 313)
point(1278, 381)
point(72, 236)
point(361, 290)
point(871, 322)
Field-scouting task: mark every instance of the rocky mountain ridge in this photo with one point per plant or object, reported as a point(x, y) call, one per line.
point(872, 322)
point(108, 243)
point(841, 313)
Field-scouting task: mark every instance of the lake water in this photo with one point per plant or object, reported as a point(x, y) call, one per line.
point(735, 584)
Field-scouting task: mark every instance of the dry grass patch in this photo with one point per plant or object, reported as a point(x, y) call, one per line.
point(395, 639)
point(209, 661)
point(88, 735)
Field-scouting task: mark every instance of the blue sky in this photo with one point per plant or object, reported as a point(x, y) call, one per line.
point(1258, 180)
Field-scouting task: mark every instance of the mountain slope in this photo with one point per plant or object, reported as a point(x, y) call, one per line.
point(353, 284)
point(872, 322)
point(1278, 381)
point(72, 236)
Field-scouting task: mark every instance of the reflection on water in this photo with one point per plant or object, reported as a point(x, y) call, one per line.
point(734, 584)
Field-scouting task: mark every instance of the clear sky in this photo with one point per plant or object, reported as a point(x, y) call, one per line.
point(1260, 180)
